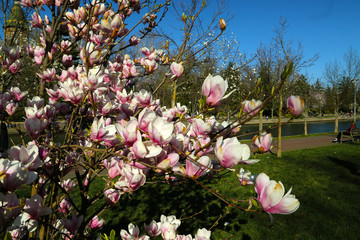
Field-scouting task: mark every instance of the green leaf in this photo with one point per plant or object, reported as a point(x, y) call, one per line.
point(287, 71)
point(112, 235)
point(255, 202)
point(240, 113)
point(7, 236)
point(104, 237)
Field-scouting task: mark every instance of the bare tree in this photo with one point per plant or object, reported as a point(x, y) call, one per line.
point(351, 64)
point(280, 54)
point(198, 23)
point(332, 74)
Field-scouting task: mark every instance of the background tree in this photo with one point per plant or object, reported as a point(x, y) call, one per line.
point(332, 74)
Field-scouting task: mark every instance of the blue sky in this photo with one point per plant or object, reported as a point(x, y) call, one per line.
point(327, 27)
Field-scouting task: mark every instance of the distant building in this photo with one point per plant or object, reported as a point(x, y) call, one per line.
point(16, 27)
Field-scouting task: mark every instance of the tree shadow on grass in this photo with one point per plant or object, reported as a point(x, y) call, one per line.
point(352, 167)
point(195, 206)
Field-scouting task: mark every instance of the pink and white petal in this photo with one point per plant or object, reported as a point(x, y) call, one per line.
point(271, 194)
point(287, 205)
point(261, 181)
point(250, 161)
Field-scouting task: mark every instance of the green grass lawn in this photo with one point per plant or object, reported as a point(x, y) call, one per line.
point(326, 180)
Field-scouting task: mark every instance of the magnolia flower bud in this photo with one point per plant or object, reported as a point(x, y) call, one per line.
point(295, 105)
point(177, 69)
point(222, 24)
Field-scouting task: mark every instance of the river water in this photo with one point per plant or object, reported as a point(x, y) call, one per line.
point(298, 128)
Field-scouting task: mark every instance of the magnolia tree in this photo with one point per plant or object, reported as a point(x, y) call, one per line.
point(110, 132)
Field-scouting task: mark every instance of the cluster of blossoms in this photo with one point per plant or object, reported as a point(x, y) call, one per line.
point(166, 228)
point(108, 130)
point(145, 138)
point(9, 101)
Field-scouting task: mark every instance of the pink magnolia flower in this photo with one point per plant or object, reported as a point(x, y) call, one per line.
point(64, 206)
point(11, 107)
point(9, 207)
point(169, 225)
point(39, 54)
point(160, 131)
point(153, 229)
point(91, 54)
point(34, 112)
point(246, 178)
point(39, 102)
point(129, 69)
point(112, 196)
point(65, 45)
point(203, 234)
point(17, 94)
point(68, 185)
point(167, 161)
point(272, 198)
point(36, 20)
point(231, 152)
point(134, 40)
point(134, 233)
point(145, 117)
point(199, 128)
point(73, 224)
point(133, 178)
point(214, 89)
point(177, 69)
point(100, 132)
point(33, 210)
point(198, 168)
point(67, 60)
point(15, 66)
point(53, 94)
point(113, 167)
point(263, 142)
point(149, 65)
point(29, 156)
point(35, 126)
point(71, 92)
point(144, 97)
point(199, 144)
point(14, 175)
point(13, 53)
point(129, 134)
point(147, 149)
point(252, 107)
point(111, 25)
point(95, 223)
point(295, 105)
point(26, 3)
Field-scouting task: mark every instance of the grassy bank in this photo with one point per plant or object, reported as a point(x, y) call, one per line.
point(326, 180)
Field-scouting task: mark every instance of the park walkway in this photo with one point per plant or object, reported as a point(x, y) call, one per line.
point(297, 143)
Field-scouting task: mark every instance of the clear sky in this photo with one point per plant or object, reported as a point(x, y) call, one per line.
point(327, 27)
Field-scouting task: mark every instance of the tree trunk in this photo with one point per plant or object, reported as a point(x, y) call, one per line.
point(173, 100)
point(279, 129)
point(260, 121)
point(305, 123)
point(336, 130)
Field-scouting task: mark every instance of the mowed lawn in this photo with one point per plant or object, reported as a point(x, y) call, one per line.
point(326, 180)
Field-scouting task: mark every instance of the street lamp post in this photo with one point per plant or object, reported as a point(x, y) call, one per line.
point(355, 83)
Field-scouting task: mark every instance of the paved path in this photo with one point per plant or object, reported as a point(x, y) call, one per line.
point(297, 143)
point(304, 142)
